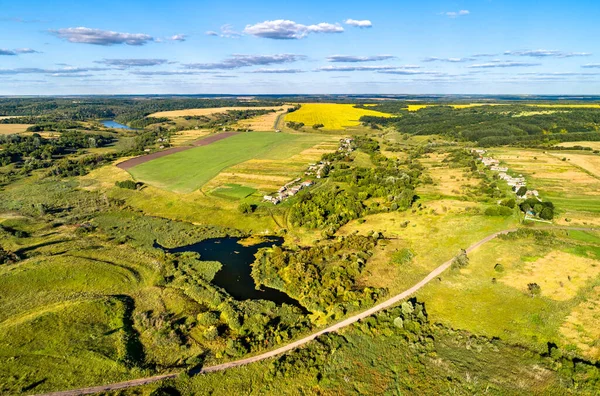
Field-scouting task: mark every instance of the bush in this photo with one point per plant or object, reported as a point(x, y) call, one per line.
point(498, 211)
point(403, 256)
point(499, 268)
point(460, 261)
point(509, 203)
point(317, 126)
point(246, 208)
point(534, 289)
point(128, 184)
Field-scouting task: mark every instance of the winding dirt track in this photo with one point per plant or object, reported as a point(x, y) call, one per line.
point(286, 348)
point(130, 163)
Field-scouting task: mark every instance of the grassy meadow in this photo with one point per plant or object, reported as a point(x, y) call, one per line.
point(207, 111)
point(9, 129)
point(490, 296)
point(333, 116)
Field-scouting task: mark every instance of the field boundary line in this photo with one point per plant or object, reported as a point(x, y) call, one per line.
point(305, 340)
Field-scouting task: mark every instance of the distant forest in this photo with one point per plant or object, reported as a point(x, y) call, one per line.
point(492, 125)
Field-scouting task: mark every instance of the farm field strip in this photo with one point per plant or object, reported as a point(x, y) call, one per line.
point(9, 129)
point(208, 111)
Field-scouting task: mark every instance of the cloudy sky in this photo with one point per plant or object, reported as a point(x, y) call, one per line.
point(254, 47)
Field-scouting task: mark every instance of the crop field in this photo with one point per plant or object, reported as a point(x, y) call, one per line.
point(189, 170)
point(490, 296)
point(582, 326)
point(334, 116)
point(574, 190)
point(184, 138)
point(207, 111)
point(8, 129)
point(265, 122)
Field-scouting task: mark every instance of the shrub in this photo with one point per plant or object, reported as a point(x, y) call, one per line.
point(245, 207)
point(128, 184)
point(509, 203)
point(534, 289)
point(460, 261)
point(403, 256)
point(498, 211)
point(499, 267)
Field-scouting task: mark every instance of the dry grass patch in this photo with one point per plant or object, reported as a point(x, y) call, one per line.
point(265, 122)
point(184, 138)
point(9, 129)
point(582, 326)
point(588, 162)
point(559, 274)
point(207, 111)
point(593, 145)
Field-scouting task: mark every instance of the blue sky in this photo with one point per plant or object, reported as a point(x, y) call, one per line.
point(246, 47)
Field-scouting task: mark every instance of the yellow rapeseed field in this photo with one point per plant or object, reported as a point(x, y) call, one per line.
point(333, 116)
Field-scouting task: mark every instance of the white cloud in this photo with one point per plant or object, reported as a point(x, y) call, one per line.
point(541, 53)
point(350, 58)
point(449, 60)
point(289, 30)
point(455, 14)
point(127, 63)
point(591, 66)
point(365, 23)
point(101, 37)
point(18, 51)
point(408, 68)
point(502, 64)
point(237, 61)
point(277, 71)
point(178, 37)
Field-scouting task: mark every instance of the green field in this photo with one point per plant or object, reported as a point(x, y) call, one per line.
point(234, 191)
point(189, 170)
point(333, 116)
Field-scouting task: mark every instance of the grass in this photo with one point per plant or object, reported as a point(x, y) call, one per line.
point(572, 188)
point(334, 117)
point(8, 129)
point(189, 170)
point(468, 299)
point(233, 191)
point(434, 234)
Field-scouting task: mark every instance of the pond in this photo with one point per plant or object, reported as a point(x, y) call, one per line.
point(235, 275)
point(115, 125)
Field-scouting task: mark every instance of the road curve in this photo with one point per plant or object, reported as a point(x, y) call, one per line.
point(286, 348)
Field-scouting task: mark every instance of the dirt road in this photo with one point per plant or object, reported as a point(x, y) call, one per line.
point(286, 348)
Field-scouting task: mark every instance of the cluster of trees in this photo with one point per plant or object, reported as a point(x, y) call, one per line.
point(17, 148)
point(129, 184)
point(329, 209)
point(542, 209)
point(295, 125)
point(323, 278)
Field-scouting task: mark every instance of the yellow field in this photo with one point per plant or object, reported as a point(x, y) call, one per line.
point(8, 129)
point(183, 138)
point(207, 111)
point(264, 122)
point(582, 326)
point(593, 145)
point(333, 116)
point(575, 272)
point(447, 181)
point(416, 107)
